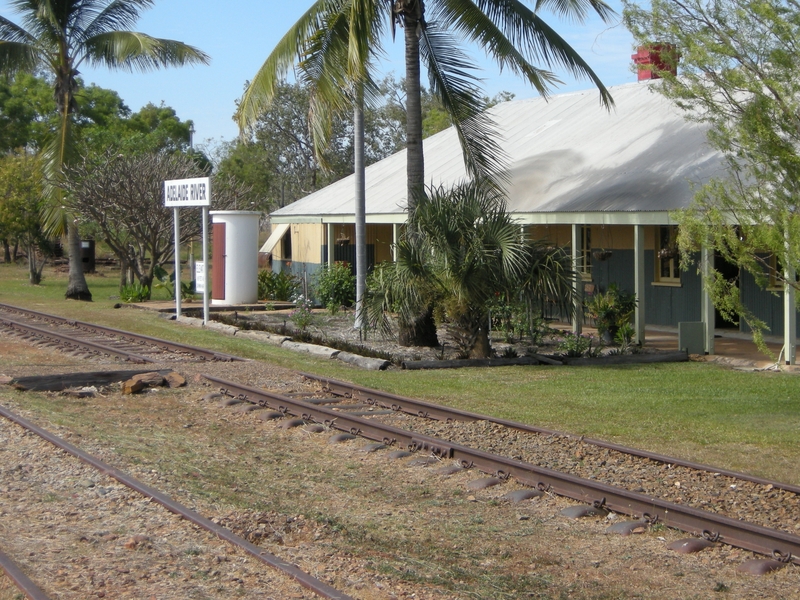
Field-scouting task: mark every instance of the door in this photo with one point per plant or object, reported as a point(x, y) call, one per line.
point(218, 261)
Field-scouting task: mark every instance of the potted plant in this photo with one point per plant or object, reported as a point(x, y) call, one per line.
point(610, 310)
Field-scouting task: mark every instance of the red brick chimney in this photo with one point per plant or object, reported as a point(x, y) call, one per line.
point(654, 58)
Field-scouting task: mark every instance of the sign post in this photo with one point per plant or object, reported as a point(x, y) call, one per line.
point(189, 192)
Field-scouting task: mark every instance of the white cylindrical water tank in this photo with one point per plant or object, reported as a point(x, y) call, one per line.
point(238, 265)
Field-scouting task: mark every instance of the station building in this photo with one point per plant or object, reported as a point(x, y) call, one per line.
point(603, 183)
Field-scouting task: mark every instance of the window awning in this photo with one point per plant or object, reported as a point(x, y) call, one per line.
point(274, 238)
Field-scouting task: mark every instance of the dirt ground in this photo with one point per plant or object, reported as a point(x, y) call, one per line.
point(373, 527)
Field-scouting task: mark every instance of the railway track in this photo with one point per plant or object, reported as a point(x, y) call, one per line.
point(74, 336)
point(141, 494)
point(359, 411)
point(593, 472)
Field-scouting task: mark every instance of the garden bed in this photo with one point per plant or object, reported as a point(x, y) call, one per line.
point(338, 331)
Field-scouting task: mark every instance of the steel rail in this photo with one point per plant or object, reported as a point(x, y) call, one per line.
point(304, 579)
point(63, 338)
point(420, 408)
point(730, 531)
point(161, 343)
point(25, 585)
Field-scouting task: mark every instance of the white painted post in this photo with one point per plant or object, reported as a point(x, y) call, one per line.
point(708, 313)
point(789, 318)
point(177, 282)
point(395, 240)
point(577, 321)
point(329, 258)
point(639, 283)
point(205, 266)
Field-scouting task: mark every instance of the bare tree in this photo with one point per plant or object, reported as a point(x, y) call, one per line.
point(124, 196)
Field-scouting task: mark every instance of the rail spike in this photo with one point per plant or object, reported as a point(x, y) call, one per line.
point(782, 557)
point(650, 519)
point(711, 536)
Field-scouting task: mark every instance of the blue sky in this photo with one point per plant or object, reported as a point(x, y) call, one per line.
point(239, 34)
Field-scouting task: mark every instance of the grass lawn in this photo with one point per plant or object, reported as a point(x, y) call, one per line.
point(744, 421)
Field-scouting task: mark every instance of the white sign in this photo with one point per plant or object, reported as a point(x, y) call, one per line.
point(199, 277)
point(188, 192)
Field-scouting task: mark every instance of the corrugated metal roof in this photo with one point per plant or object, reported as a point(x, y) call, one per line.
point(567, 155)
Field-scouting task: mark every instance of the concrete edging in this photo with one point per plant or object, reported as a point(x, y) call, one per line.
point(364, 362)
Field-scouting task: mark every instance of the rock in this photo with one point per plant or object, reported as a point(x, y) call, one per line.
point(132, 387)
point(175, 380)
point(152, 379)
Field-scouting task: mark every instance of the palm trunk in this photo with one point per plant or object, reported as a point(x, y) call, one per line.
point(415, 164)
point(423, 331)
point(483, 346)
point(35, 267)
point(361, 201)
point(77, 288)
point(6, 251)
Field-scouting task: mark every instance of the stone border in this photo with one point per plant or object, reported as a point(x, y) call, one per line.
point(364, 362)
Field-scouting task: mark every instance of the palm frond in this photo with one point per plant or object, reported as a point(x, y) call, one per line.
point(16, 57)
point(134, 51)
point(18, 49)
point(577, 10)
point(516, 37)
point(287, 52)
point(479, 27)
point(337, 61)
point(117, 15)
point(453, 83)
point(45, 21)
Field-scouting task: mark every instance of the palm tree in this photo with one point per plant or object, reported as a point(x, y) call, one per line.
point(339, 35)
point(332, 45)
point(58, 36)
point(461, 249)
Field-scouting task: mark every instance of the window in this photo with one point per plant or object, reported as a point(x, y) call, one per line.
point(585, 253)
point(777, 282)
point(667, 258)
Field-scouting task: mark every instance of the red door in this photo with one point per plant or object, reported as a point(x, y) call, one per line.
point(218, 261)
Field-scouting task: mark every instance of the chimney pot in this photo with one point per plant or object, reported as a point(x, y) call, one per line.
point(655, 58)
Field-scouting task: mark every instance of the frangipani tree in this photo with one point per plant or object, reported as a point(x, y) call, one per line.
point(58, 36)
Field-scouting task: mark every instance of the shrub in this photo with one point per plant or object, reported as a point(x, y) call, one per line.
point(576, 346)
point(513, 319)
point(611, 310)
point(135, 292)
point(302, 316)
point(335, 286)
point(277, 286)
